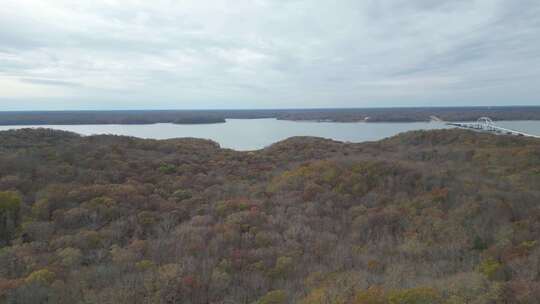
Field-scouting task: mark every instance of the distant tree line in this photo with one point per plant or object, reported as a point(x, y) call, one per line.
point(219, 116)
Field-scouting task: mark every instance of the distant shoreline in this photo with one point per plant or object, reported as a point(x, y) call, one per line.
point(370, 115)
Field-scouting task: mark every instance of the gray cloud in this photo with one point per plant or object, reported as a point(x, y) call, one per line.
point(49, 82)
point(268, 53)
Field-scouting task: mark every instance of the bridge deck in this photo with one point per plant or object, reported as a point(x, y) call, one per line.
point(490, 128)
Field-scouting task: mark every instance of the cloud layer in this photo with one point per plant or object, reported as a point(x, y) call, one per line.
point(107, 54)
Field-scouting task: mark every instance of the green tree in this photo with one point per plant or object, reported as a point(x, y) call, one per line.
point(492, 269)
point(181, 194)
point(167, 169)
point(372, 295)
point(420, 295)
point(10, 205)
point(274, 297)
point(70, 257)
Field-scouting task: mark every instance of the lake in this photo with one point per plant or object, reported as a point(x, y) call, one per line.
point(252, 134)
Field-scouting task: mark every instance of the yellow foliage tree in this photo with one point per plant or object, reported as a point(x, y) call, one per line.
point(274, 297)
point(42, 276)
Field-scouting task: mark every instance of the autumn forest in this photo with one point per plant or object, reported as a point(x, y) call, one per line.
point(444, 217)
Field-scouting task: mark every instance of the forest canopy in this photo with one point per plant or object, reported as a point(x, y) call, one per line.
point(445, 216)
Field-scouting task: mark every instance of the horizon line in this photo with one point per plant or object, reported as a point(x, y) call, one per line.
point(277, 109)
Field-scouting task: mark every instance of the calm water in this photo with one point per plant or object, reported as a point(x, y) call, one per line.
point(252, 134)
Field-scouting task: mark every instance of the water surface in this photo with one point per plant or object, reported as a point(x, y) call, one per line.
point(252, 134)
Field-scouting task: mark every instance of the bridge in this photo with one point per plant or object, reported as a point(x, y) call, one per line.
point(486, 124)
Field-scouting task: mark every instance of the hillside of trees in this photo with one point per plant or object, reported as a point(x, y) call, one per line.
point(443, 217)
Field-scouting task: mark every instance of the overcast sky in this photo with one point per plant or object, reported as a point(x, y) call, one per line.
point(183, 54)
